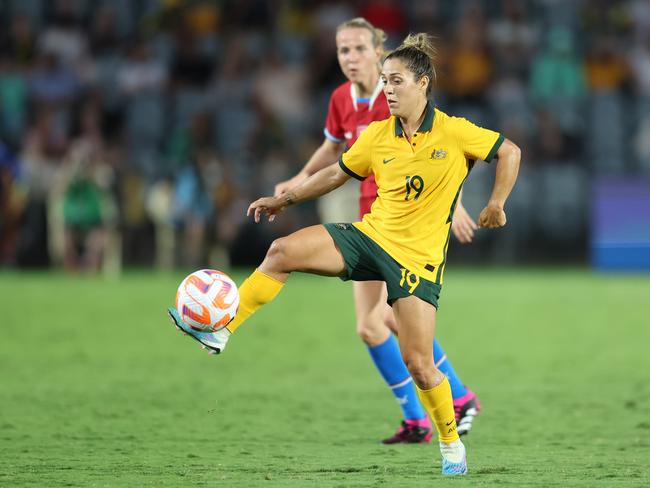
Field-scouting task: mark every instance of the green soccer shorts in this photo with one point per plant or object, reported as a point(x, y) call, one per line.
point(365, 260)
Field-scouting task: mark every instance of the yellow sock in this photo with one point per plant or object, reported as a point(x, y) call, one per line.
point(439, 403)
point(256, 290)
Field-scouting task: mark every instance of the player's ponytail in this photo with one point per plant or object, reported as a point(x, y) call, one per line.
point(378, 35)
point(419, 55)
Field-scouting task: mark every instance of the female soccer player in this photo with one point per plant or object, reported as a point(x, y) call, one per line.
point(420, 158)
point(354, 105)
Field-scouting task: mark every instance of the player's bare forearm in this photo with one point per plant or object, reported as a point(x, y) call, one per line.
point(326, 154)
point(507, 168)
point(322, 182)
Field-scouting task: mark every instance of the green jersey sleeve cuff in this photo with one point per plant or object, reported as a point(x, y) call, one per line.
point(494, 149)
point(349, 171)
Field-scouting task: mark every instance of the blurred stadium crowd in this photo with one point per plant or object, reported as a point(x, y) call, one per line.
point(137, 131)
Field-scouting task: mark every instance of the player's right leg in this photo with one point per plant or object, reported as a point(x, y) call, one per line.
point(416, 320)
point(310, 250)
point(369, 302)
point(466, 404)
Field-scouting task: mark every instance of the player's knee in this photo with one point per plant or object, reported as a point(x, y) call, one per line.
point(420, 366)
point(278, 254)
point(370, 331)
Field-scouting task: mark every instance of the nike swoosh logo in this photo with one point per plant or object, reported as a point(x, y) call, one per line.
point(386, 161)
point(449, 423)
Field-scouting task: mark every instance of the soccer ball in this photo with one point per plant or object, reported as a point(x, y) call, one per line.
point(207, 300)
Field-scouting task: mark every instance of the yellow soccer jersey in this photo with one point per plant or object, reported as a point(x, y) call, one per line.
point(418, 184)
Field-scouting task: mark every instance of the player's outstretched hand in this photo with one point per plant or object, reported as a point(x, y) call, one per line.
point(270, 206)
point(492, 217)
point(285, 186)
point(463, 225)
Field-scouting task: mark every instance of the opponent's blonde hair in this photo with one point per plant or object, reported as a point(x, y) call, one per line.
point(378, 35)
point(419, 54)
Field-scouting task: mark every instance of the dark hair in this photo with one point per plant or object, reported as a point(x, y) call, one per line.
point(418, 54)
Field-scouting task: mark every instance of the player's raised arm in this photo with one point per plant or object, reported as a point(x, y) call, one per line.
point(324, 181)
point(493, 215)
point(323, 156)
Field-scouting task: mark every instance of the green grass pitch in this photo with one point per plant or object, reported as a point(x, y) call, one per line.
point(98, 389)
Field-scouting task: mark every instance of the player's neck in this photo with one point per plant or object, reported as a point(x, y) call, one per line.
point(366, 88)
point(413, 121)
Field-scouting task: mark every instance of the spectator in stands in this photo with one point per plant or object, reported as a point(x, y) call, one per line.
point(281, 88)
point(557, 81)
point(514, 36)
point(202, 189)
point(141, 72)
point(606, 67)
point(13, 100)
point(64, 37)
point(18, 42)
point(12, 204)
point(468, 61)
point(53, 82)
point(104, 38)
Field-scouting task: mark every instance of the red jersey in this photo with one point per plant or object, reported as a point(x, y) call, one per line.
point(348, 115)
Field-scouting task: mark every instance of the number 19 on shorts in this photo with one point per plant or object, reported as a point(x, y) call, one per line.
point(411, 280)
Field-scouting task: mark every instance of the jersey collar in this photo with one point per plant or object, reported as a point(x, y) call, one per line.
point(425, 126)
point(354, 94)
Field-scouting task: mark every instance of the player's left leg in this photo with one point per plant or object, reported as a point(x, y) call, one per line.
point(311, 250)
point(416, 321)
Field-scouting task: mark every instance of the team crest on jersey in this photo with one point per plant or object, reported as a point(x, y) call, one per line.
point(438, 154)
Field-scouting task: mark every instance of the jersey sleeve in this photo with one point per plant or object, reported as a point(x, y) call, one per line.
point(477, 142)
point(333, 124)
point(357, 161)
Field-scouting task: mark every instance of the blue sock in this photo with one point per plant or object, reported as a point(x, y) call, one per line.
point(388, 359)
point(443, 364)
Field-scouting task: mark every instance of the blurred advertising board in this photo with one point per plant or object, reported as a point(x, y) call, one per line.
point(620, 223)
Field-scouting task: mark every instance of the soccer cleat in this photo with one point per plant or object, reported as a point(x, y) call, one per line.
point(412, 432)
point(214, 342)
point(454, 458)
point(466, 408)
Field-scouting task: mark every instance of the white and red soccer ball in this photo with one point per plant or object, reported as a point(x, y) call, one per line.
point(207, 300)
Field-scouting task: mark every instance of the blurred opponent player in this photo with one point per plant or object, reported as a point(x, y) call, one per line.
point(353, 106)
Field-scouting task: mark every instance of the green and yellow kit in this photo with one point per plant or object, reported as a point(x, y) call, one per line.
point(419, 182)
